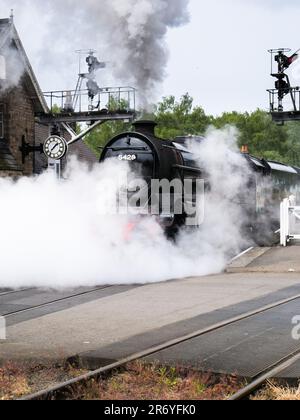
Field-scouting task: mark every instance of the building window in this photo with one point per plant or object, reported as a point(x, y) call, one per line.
point(1, 121)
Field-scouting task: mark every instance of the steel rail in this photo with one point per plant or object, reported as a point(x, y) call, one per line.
point(268, 374)
point(11, 292)
point(62, 388)
point(42, 305)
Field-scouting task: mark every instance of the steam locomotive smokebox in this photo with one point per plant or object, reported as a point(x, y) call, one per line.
point(146, 127)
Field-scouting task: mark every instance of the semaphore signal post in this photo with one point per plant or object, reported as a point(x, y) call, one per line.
point(284, 99)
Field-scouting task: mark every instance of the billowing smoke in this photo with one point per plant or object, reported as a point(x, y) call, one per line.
point(56, 234)
point(11, 67)
point(131, 34)
point(221, 235)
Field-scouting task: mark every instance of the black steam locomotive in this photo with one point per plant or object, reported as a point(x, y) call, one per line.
point(155, 158)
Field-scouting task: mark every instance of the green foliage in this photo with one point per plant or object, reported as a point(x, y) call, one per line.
point(55, 109)
point(169, 376)
point(101, 135)
point(117, 104)
point(264, 138)
point(180, 118)
point(293, 132)
point(257, 130)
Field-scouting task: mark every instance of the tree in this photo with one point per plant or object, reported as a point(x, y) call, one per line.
point(102, 134)
point(180, 118)
point(264, 138)
point(257, 130)
point(293, 131)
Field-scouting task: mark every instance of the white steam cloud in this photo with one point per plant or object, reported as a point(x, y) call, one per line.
point(130, 34)
point(11, 67)
point(54, 235)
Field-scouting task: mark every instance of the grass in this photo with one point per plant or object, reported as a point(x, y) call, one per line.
point(276, 392)
point(142, 381)
point(139, 381)
point(18, 380)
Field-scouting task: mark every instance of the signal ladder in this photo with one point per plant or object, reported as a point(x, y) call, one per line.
point(289, 221)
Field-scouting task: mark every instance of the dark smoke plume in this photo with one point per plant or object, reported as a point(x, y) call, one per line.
point(131, 34)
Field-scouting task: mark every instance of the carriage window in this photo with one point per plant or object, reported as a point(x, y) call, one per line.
point(1, 121)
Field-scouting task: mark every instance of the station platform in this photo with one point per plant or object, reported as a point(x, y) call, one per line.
point(268, 260)
point(102, 325)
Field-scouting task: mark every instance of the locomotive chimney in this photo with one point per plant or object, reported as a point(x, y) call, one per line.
point(146, 127)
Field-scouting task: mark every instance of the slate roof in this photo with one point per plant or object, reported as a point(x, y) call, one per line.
point(10, 36)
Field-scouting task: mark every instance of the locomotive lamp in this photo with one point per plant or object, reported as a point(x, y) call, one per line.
point(245, 149)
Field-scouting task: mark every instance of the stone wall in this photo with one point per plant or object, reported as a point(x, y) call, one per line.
point(20, 122)
point(8, 174)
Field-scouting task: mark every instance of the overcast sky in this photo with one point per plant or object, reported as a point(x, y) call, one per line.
point(220, 57)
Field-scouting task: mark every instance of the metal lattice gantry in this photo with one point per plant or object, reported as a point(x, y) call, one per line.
point(91, 104)
point(110, 103)
point(287, 110)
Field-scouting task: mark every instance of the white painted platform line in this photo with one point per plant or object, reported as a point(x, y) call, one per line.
point(2, 328)
point(241, 254)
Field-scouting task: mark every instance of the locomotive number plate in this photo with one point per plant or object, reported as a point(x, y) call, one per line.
point(128, 158)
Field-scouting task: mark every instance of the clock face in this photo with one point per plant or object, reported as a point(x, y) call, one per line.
point(55, 147)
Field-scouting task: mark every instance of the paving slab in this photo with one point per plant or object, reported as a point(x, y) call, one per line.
point(244, 260)
point(139, 343)
point(268, 260)
point(293, 372)
point(174, 306)
point(245, 348)
point(26, 305)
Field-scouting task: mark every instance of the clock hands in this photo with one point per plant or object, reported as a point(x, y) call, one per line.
point(54, 147)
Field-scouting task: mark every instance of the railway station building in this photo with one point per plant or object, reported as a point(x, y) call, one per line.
point(21, 100)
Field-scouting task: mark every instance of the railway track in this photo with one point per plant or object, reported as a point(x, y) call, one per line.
point(64, 389)
point(52, 302)
point(12, 292)
point(264, 377)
